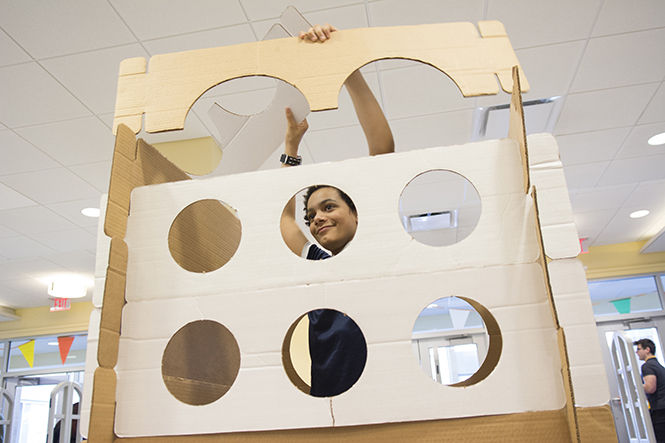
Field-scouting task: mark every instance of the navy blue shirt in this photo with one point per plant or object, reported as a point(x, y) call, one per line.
point(337, 347)
point(652, 367)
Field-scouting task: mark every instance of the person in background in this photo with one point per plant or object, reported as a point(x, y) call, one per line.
point(653, 376)
point(337, 347)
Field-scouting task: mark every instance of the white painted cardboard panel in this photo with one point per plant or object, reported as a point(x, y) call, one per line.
point(90, 367)
point(527, 324)
point(543, 150)
point(590, 385)
point(153, 273)
point(395, 388)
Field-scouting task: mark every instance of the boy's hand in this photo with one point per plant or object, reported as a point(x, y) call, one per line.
point(318, 33)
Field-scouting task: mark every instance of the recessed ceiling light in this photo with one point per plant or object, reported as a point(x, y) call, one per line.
point(639, 214)
point(90, 212)
point(68, 286)
point(658, 139)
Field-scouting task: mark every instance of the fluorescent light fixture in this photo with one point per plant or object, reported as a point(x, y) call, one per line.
point(53, 343)
point(68, 286)
point(658, 139)
point(90, 212)
point(432, 306)
point(639, 214)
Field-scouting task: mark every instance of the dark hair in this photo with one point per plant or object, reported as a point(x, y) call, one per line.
point(312, 189)
point(645, 343)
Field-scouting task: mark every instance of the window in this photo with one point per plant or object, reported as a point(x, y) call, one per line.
point(625, 296)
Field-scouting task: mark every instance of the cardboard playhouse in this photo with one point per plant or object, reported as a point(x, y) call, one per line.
point(201, 293)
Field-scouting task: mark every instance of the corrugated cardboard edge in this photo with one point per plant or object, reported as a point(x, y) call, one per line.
point(571, 414)
point(516, 126)
point(134, 164)
point(549, 426)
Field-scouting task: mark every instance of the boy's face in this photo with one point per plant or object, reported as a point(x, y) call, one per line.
point(331, 221)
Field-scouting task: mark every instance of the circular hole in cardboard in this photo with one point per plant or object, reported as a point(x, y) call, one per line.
point(200, 363)
point(204, 236)
point(318, 222)
point(324, 353)
point(439, 207)
point(457, 341)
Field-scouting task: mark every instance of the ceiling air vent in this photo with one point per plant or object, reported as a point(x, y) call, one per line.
point(539, 116)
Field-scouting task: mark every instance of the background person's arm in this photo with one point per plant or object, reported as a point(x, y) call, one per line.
point(649, 384)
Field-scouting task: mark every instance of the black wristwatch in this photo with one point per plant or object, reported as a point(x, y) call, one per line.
point(291, 161)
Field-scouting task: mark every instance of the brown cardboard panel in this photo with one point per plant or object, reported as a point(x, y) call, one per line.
point(176, 80)
point(571, 411)
point(596, 425)
point(516, 128)
point(204, 236)
point(109, 328)
point(103, 406)
point(549, 426)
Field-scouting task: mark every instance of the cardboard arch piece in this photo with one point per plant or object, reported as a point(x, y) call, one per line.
point(472, 57)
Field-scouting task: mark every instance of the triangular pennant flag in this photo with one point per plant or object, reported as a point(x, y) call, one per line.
point(458, 316)
point(65, 344)
point(622, 305)
point(28, 351)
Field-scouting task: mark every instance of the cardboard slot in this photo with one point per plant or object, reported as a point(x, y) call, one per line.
point(200, 362)
point(204, 236)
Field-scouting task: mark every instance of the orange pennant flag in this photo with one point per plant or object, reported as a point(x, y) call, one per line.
point(28, 351)
point(65, 344)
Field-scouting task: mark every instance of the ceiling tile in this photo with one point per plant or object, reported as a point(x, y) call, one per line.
point(261, 9)
point(67, 240)
point(20, 156)
point(47, 29)
point(14, 299)
point(342, 17)
point(398, 12)
point(11, 52)
point(10, 199)
point(72, 142)
point(22, 247)
point(30, 289)
point(444, 129)
point(97, 174)
point(643, 14)
point(547, 22)
point(50, 186)
point(609, 108)
point(93, 76)
point(336, 144)
point(648, 195)
point(75, 261)
point(72, 211)
point(419, 90)
point(636, 144)
point(150, 19)
point(549, 70)
point(30, 96)
point(621, 60)
point(6, 232)
point(231, 35)
point(31, 268)
point(599, 199)
point(633, 170)
point(589, 147)
point(655, 111)
point(33, 219)
point(590, 224)
point(622, 228)
point(585, 175)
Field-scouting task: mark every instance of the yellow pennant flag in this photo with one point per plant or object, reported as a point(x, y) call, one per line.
point(28, 351)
